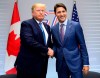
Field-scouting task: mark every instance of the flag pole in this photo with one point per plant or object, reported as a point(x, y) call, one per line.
point(74, 1)
point(16, 0)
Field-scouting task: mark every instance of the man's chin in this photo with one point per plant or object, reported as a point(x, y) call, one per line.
point(40, 19)
point(61, 21)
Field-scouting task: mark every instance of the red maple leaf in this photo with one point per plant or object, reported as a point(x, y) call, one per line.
point(13, 45)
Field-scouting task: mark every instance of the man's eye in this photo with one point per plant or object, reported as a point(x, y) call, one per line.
point(40, 10)
point(63, 11)
point(58, 12)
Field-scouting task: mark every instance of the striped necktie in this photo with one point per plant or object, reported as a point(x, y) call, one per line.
point(43, 33)
point(62, 32)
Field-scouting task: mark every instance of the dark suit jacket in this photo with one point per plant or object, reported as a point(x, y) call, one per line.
point(73, 49)
point(33, 52)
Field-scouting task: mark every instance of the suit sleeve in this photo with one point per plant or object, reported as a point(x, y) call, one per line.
point(27, 38)
point(82, 45)
point(53, 43)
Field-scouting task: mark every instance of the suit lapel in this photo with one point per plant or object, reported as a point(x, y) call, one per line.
point(67, 32)
point(47, 31)
point(36, 26)
point(46, 27)
point(57, 34)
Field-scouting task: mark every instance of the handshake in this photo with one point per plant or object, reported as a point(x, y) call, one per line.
point(50, 52)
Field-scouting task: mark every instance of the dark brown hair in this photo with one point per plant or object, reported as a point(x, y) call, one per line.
point(59, 5)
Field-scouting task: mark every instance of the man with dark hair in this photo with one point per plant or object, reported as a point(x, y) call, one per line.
point(69, 46)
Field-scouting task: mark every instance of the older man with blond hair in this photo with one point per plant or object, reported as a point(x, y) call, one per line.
point(35, 35)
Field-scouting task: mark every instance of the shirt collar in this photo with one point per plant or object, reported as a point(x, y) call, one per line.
point(38, 21)
point(65, 22)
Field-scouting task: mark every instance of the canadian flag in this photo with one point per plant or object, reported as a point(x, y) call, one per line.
point(13, 43)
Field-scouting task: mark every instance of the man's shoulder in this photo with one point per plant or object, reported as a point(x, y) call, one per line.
point(76, 25)
point(28, 20)
point(73, 22)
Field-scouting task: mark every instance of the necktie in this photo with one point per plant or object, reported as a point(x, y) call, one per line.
point(62, 32)
point(43, 33)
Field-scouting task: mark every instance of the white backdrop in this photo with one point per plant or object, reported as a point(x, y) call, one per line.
point(89, 15)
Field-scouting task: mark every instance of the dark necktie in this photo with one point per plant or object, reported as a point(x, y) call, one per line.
point(62, 32)
point(43, 33)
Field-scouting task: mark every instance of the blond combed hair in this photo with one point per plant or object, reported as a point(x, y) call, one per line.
point(38, 4)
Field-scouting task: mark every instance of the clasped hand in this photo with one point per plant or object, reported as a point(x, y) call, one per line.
point(50, 52)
